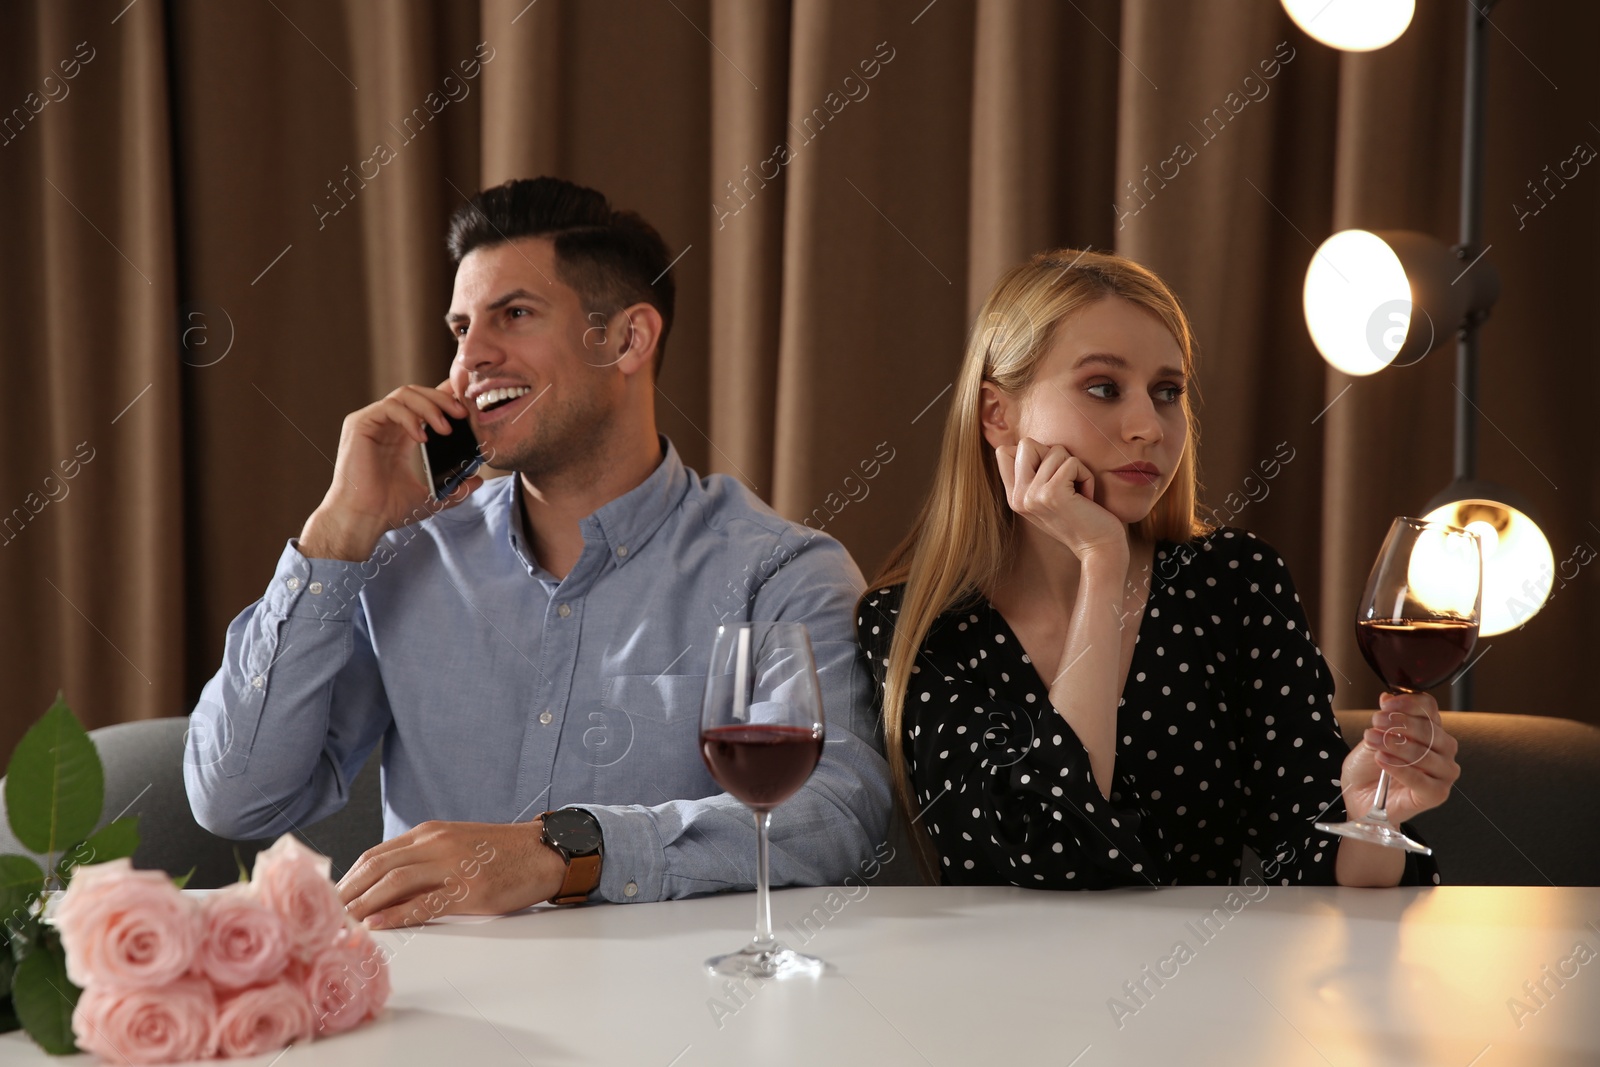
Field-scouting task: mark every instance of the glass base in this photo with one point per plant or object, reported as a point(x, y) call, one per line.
point(1375, 832)
point(769, 959)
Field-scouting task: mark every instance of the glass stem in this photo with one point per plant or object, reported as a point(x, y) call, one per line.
point(763, 897)
point(1380, 799)
point(1379, 811)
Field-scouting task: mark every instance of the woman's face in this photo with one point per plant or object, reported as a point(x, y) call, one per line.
point(1110, 391)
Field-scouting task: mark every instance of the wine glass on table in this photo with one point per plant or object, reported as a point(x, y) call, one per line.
point(761, 735)
point(1416, 627)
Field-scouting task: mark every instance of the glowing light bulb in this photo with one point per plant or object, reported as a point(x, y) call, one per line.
point(1357, 302)
point(1488, 536)
point(1518, 567)
point(1352, 25)
point(1444, 572)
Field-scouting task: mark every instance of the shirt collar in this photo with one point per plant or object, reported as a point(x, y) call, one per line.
point(622, 525)
point(626, 523)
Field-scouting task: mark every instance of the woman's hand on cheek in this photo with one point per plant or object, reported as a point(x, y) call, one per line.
point(1053, 490)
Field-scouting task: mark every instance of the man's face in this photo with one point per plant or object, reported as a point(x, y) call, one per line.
point(537, 394)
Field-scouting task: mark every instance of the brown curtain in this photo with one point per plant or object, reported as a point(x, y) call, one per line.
point(225, 231)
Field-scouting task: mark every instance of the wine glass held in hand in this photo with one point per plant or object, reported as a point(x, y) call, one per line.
point(1416, 626)
point(761, 736)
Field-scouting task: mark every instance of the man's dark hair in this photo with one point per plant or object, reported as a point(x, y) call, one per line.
point(610, 258)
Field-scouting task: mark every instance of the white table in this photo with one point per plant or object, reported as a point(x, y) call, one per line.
point(1001, 976)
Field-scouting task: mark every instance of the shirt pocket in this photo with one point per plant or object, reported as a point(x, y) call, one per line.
point(644, 738)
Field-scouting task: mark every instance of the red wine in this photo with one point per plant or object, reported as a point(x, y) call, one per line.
point(1416, 654)
point(762, 765)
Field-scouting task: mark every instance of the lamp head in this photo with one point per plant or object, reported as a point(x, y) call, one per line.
point(1376, 298)
point(1518, 566)
point(1352, 25)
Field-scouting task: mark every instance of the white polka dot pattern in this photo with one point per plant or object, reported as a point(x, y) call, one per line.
point(1244, 752)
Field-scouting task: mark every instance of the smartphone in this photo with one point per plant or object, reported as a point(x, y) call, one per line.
point(450, 459)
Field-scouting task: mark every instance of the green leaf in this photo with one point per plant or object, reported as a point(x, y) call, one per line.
point(43, 998)
point(55, 785)
point(21, 882)
point(183, 879)
point(244, 873)
point(114, 841)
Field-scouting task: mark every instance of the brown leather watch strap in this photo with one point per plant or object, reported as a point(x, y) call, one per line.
point(583, 875)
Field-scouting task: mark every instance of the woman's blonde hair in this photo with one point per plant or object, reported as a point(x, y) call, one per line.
point(959, 544)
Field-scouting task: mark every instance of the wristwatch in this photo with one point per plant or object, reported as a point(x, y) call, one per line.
point(575, 834)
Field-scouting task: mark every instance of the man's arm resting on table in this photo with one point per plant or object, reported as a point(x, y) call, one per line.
point(469, 868)
point(452, 868)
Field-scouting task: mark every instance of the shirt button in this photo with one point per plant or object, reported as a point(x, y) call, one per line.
point(630, 890)
point(545, 718)
point(293, 583)
point(564, 610)
point(258, 681)
point(315, 587)
point(622, 553)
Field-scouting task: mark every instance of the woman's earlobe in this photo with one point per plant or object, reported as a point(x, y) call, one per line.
point(992, 416)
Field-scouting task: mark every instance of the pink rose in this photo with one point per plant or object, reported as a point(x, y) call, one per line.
point(348, 982)
point(293, 881)
point(121, 927)
point(244, 941)
point(147, 1024)
point(263, 1019)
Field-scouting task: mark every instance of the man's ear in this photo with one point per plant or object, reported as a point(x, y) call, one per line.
point(637, 331)
point(998, 414)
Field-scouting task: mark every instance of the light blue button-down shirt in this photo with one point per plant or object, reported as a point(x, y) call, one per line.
point(501, 692)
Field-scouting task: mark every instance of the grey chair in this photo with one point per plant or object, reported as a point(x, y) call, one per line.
point(144, 776)
point(1524, 811)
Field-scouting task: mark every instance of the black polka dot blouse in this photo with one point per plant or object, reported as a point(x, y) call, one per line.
point(1226, 738)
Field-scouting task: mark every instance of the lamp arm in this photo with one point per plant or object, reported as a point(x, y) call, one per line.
point(1467, 251)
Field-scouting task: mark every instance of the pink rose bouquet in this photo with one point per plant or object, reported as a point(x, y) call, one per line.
point(244, 971)
point(124, 928)
point(294, 881)
point(263, 1018)
point(245, 941)
point(147, 1024)
point(348, 983)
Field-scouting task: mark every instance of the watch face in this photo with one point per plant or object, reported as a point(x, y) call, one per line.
point(574, 829)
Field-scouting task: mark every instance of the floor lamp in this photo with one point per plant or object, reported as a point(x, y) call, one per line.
point(1385, 298)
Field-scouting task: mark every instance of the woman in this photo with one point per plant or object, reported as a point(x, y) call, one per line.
point(1083, 685)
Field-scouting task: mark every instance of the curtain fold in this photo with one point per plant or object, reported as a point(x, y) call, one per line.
point(1043, 140)
point(874, 277)
point(227, 233)
point(522, 90)
point(746, 201)
point(412, 73)
point(91, 539)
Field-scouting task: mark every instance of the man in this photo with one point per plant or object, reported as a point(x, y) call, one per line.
point(533, 655)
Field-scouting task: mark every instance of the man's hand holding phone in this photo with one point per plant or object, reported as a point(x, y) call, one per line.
point(375, 488)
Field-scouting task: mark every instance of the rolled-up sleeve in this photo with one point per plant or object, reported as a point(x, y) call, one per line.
point(283, 727)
